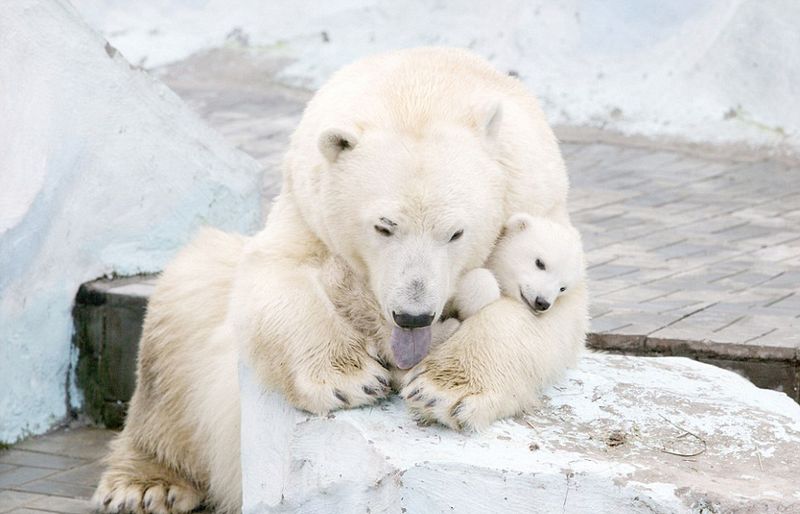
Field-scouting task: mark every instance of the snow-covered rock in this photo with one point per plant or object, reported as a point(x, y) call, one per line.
point(698, 71)
point(102, 170)
point(618, 434)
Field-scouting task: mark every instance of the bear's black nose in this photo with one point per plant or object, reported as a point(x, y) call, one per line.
point(405, 320)
point(541, 304)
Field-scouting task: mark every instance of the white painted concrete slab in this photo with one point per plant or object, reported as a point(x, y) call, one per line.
point(619, 434)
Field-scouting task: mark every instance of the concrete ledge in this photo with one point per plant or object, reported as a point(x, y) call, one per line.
point(771, 367)
point(625, 434)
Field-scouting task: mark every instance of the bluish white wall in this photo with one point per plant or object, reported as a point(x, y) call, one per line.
point(700, 71)
point(102, 170)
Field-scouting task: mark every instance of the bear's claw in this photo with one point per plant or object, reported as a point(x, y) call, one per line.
point(341, 397)
point(152, 499)
point(456, 407)
point(329, 389)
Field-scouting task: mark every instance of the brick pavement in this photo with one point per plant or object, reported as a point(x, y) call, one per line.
point(53, 473)
point(690, 249)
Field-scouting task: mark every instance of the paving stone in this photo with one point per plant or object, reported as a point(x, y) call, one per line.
point(88, 474)
point(55, 488)
point(12, 499)
point(21, 475)
point(85, 443)
point(38, 460)
point(62, 505)
point(607, 324)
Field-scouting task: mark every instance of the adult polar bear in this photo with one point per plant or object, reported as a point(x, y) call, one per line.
point(405, 166)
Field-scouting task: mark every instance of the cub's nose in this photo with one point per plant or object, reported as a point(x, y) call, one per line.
point(541, 304)
point(405, 320)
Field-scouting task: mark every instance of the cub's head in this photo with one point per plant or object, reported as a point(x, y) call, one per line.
point(411, 210)
point(537, 260)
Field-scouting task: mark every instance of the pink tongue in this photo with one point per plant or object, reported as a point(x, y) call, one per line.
point(410, 345)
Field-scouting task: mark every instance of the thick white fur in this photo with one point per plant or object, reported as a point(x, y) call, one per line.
point(433, 140)
point(513, 270)
point(530, 239)
point(476, 289)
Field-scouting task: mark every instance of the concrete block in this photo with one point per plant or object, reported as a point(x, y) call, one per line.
point(108, 316)
point(618, 434)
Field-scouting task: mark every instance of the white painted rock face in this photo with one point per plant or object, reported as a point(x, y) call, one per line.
point(619, 434)
point(102, 169)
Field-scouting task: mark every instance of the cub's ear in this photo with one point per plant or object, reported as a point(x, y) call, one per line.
point(489, 117)
point(517, 223)
point(334, 141)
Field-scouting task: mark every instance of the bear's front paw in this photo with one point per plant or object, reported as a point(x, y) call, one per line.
point(433, 397)
point(340, 387)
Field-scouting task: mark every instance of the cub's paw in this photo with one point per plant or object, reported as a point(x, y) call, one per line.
point(433, 397)
point(342, 386)
point(476, 289)
point(136, 498)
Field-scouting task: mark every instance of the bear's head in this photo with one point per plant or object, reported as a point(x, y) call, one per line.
point(536, 260)
point(411, 210)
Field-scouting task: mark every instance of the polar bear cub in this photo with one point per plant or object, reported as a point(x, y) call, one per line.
point(535, 260)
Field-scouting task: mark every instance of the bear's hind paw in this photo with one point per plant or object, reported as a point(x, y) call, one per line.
point(123, 498)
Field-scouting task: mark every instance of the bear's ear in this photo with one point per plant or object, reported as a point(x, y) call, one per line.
point(489, 116)
point(334, 141)
point(517, 223)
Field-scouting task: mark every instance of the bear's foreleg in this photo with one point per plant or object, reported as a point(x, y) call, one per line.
point(298, 343)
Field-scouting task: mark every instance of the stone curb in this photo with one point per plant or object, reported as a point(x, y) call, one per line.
point(770, 367)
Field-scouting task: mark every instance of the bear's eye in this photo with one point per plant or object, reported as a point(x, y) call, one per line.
point(383, 231)
point(457, 235)
point(540, 264)
point(563, 289)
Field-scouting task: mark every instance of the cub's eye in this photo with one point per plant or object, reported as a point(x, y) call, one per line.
point(383, 231)
point(563, 289)
point(540, 264)
point(457, 235)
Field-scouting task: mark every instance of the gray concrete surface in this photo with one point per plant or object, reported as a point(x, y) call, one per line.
point(53, 473)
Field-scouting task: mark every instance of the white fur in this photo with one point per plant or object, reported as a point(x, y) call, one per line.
point(528, 239)
point(513, 267)
point(476, 289)
point(439, 142)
